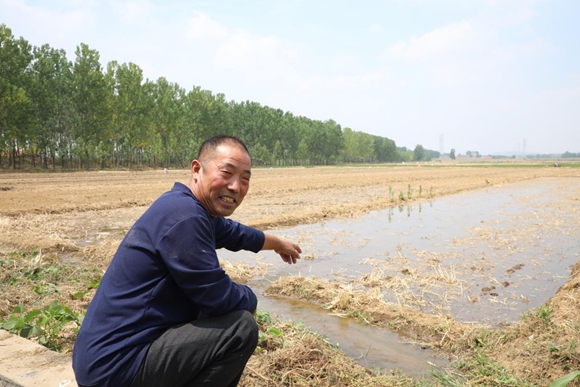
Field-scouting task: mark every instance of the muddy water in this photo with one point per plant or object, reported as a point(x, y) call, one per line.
point(374, 348)
point(484, 256)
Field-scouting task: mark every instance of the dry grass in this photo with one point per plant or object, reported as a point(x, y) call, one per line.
point(545, 344)
point(294, 356)
point(541, 348)
point(242, 272)
point(370, 306)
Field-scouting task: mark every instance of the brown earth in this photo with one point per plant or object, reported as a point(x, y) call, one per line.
point(56, 210)
point(81, 217)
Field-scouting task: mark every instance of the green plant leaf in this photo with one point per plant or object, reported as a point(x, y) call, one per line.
point(37, 331)
point(10, 324)
point(26, 330)
point(43, 320)
point(31, 315)
point(275, 332)
point(563, 381)
point(95, 284)
point(78, 295)
point(18, 309)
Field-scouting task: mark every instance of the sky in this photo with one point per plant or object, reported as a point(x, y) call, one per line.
point(470, 75)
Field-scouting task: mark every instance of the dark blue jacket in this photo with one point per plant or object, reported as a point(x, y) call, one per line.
point(165, 272)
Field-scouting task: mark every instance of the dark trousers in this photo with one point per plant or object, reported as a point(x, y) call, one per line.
point(211, 351)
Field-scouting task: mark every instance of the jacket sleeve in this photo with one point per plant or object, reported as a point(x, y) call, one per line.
point(188, 250)
point(235, 236)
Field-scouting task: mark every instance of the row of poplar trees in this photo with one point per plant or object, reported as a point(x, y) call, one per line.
point(57, 114)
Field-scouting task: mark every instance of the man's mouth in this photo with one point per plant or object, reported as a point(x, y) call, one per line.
point(227, 199)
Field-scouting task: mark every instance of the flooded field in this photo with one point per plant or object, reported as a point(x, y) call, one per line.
point(483, 257)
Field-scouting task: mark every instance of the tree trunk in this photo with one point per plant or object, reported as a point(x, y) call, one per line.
point(13, 161)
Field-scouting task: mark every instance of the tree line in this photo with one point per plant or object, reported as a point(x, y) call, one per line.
point(58, 114)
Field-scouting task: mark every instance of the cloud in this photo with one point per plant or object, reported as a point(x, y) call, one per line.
point(573, 77)
point(132, 11)
point(256, 58)
point(63, 26)
point(345, 59)
point(344, 83)
point(202, 28)
point(532, 47)
point(444, 39)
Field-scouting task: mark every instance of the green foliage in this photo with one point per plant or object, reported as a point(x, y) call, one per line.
point(565, 380)
point(80, 116)
point(569, 155)
point(263, 317)
point(93, 285)
point(43, 289)
point(269, 334)
point(45, 324)
point(419, 153)
point(544, 314)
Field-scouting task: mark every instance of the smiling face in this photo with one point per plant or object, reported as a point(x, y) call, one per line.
point(221, 179)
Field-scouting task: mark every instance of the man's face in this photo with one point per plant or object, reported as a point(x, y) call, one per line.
point(222, 181)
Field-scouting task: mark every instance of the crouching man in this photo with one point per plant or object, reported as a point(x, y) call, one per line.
point(165, 313)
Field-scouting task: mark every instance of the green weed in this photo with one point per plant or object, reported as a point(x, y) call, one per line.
point(564, 381)
point(269, 335)
point(46, 324)
point(544, 314)
point(93, 285)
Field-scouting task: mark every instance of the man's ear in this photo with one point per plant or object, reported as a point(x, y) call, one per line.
point(195, 169)
point(195, 166)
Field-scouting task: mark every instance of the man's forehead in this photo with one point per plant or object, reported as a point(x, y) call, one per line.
point(232, 156)
point(229, 150)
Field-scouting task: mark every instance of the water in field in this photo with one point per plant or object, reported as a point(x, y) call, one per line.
point(375, 348)
point(484, 256)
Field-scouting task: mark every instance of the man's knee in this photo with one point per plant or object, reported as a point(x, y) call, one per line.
point(249, 327)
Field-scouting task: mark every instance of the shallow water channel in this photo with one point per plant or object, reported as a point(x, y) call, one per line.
point(483, 257)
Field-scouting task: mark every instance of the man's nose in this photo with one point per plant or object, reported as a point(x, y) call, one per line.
point(234, 184)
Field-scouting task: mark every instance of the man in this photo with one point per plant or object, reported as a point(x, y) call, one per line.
point(165, 313)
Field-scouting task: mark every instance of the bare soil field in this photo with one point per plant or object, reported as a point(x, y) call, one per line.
point(58, 232)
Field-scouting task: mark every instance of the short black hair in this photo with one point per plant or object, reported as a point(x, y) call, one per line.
point(210, 145)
